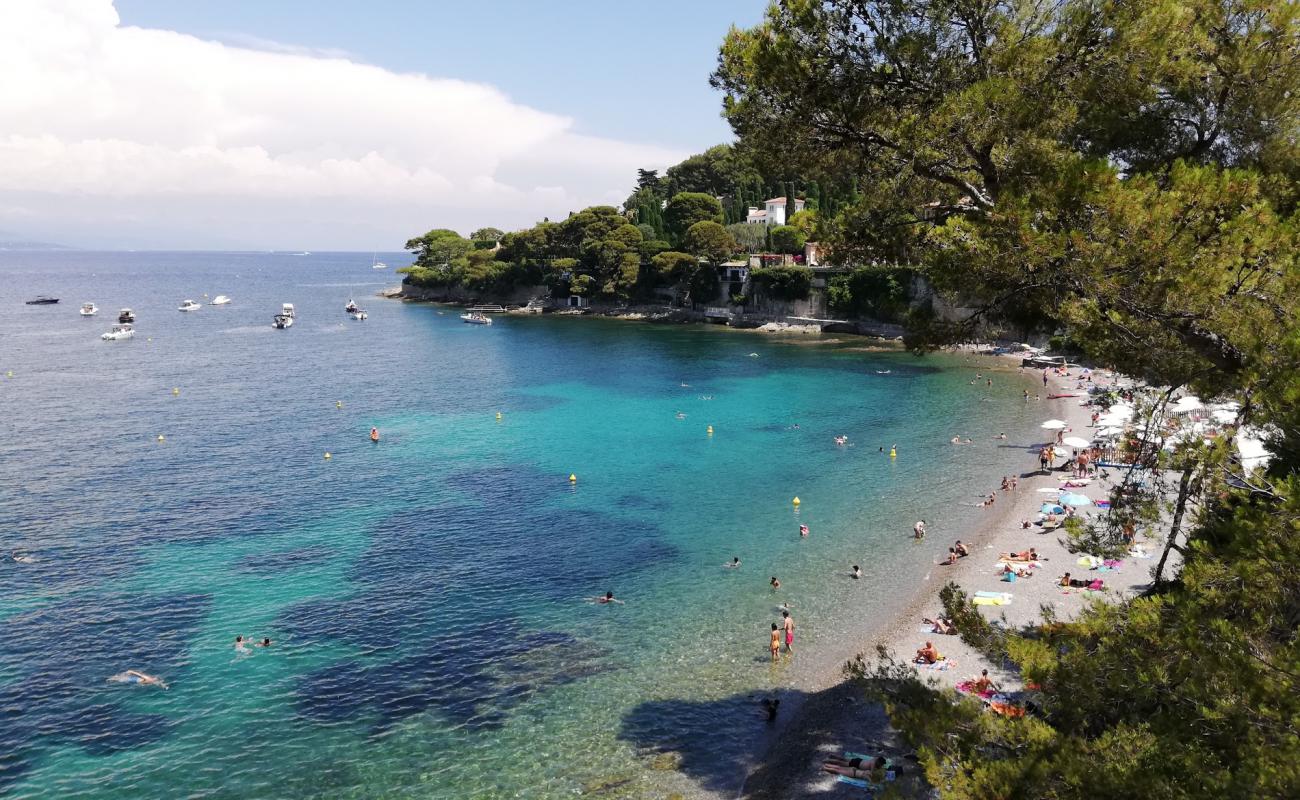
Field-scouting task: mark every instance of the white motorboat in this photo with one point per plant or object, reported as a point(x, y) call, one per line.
point(122, 330)
point(126, 315)
point(88, 310)
point(351, 307)
point(359, 314)
point(189, 305)
point(220, 300)
point(285, 318)
point(476, 318)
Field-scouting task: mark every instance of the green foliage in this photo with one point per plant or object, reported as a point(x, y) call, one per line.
point(805, 221)
point(1125, 172)
point(783, 283)
point(879, 292)
point(710, 241)
point(438, 248)
point(788, 239)
point(487, 235)
point(688, 208)
point(749, 238)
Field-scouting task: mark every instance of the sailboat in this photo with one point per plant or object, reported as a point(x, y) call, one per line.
point(376, 264)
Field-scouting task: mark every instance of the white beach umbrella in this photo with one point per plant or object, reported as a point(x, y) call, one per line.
point(1054, 424)
point(1075, 441)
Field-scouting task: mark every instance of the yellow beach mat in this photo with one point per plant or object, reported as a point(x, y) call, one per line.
point(1001, 600)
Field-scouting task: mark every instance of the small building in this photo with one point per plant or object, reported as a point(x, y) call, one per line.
point(734, 271)
point(577, 301)
point(773, 212)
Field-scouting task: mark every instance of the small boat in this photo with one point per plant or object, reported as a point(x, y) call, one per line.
point(359, 314)
point(376, 264)
point(220, 300)
point(189, 305)
point(88, 310)
point(476, 318)
point(42, 300)
point(285, 318)
point(118, 332)
point(125, 315)
point(351, 307)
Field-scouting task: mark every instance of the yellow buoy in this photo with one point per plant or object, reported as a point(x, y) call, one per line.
point(893, 453)
point(327, 455)
point(498, 416)
point(795, 501)
point(710, 430)
point(175, 392)
point(338, 403)
point(573, 479)
point(162, 438)
point(9, 374)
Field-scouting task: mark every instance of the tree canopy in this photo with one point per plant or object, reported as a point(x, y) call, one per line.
point(1124, 173)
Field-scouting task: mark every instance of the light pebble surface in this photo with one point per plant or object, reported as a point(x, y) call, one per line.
point(839, 719)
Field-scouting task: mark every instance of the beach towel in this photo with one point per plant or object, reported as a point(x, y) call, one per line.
point(858, 782)
point(941, 665)
point(1005, 595)
point(992, 601)
point(965, 687)
point(1113, 563)
point(1091, 562)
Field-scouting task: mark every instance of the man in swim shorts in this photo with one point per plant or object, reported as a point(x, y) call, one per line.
point(789, 631)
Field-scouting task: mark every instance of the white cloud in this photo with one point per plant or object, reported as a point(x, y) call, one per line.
point(155, 137)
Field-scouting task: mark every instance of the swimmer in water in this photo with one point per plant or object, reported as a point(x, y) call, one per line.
point(856, 573)
point(606, 600)
point(139, 678)
point(266, 642)
point(803, 530)
point(774, 583)
point(241, 646)
point(680, 415)
point(22, 559)
point(735, 562)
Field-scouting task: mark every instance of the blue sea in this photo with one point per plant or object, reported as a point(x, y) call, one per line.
point(428, 595)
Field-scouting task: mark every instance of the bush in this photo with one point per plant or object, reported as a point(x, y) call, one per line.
point(880, 292)
point(784, 283)
point(788, 239)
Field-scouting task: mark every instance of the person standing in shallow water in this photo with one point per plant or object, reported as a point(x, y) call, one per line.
point(775, 644)
point(789, 631)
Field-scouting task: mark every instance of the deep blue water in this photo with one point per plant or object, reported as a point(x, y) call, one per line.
point(426, 594)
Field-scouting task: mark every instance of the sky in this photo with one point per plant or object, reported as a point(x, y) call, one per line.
point(343, 125)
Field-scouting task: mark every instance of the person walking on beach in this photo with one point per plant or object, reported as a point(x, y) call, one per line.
point(1044, 378)
point(775, 644)
point(789, 631)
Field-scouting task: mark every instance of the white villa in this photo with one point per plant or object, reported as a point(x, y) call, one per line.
point(773, 212)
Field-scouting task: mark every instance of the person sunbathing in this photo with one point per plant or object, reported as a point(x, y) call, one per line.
point(870, 769)
point(982, 684)
point(1027, 555)
point(941, 625)
point(1019, 572)
point(1078, 583)
point(928, 654)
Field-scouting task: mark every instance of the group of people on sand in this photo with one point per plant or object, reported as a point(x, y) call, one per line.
point(958, 550)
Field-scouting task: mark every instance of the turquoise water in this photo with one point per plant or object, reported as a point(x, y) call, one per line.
point(426, 594)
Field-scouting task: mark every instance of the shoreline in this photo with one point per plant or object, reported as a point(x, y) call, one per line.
point(835, 717)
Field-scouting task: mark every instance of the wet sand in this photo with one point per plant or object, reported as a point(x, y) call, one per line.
point(838, 718)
